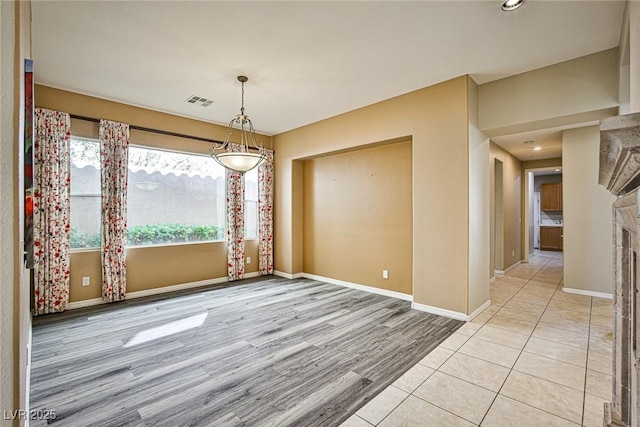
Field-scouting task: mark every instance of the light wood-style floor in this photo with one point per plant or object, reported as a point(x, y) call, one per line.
point(268, 352)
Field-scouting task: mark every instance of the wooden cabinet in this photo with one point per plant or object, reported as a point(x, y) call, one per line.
point(551, 196)
point(551, 238)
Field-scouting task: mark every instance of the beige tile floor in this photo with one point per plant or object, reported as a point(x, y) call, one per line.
point(536, 357)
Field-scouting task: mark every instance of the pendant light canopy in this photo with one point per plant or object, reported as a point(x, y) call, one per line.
point(246, 154)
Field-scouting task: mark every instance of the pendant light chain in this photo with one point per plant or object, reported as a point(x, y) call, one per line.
point(242, 104)
point(240, 159)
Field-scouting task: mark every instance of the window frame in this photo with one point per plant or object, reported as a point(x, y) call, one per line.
point(257, 202)
point(199, 242)
point(92, 248)
point(187, 153)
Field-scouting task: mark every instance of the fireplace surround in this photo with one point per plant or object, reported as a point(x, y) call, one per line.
point(620, 174)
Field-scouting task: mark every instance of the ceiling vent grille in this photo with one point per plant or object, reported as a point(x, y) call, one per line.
point(198, 100)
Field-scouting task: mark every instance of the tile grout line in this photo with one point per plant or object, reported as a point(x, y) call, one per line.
point(525, 344)
point(395, 407)
point(438, 370)
point(586, 364)
point(526, 283)
point(588, 339)
point(447, 410)
point(586, 368)
point(444, 373)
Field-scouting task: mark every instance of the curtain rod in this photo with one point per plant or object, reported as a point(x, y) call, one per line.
point(161, 132)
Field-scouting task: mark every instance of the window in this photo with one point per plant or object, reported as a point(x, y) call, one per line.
point(174, 198)
point(251, 204)
point(85, 193)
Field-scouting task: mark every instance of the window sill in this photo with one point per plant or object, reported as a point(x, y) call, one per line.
point(82, 250)
point(204, 242)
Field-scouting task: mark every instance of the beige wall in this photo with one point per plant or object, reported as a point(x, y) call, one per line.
point(357, 216)
point(436, 118)
point(577, 91)
point(509, 235)
point(479, 207)
point(15, 318)
point(88, 106)
point(588, 244)
point(157, 266)
point(574, 91)
point(154, 266)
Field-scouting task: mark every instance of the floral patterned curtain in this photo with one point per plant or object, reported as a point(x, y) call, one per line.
point(51, 211)
point(265, 219)
point(114, 156)
point(235, 225)
point(235, 222)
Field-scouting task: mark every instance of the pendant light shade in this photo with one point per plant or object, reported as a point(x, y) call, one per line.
point(246, 154)
point(240, 161)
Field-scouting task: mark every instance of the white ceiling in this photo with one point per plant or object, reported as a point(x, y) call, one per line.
point(306, 61)
point(523, 145)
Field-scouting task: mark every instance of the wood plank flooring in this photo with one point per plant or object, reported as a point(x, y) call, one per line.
point(267, 352)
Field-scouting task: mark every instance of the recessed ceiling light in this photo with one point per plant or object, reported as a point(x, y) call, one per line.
point(529, 142)
point(537, 148)
point(556, 170)
point(510, 5)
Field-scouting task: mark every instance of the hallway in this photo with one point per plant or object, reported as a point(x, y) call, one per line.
point(536, 357)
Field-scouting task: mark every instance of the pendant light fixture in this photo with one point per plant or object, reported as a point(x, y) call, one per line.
point(245, 154)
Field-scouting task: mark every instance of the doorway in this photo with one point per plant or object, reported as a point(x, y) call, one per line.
point(536, 220)
point(498, 218)
point(534, 217)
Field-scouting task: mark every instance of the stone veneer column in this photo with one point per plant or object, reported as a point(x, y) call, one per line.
point(620, 173)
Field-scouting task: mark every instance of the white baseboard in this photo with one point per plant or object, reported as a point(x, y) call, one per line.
point(508, 269)
point(399, 295)
point(288, 275)
point(492, 279)
point(512, 266)
point(384, 292)
point(84, 303)
point(478, 310)
point(365, 288)
point(158, 291)
point(452, 314)
point(27, 384)
point(282, 274)
point(587, 293)
point(439, 311)
point(174, 288)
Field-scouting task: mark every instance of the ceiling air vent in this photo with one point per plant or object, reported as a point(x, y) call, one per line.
point(197, 100)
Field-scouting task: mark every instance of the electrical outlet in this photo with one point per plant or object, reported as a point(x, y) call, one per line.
point(86, 281)
point(385, 274)
point(513, 253)
point(248, 260)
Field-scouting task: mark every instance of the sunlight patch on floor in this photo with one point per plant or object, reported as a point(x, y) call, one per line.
point(167, 329)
